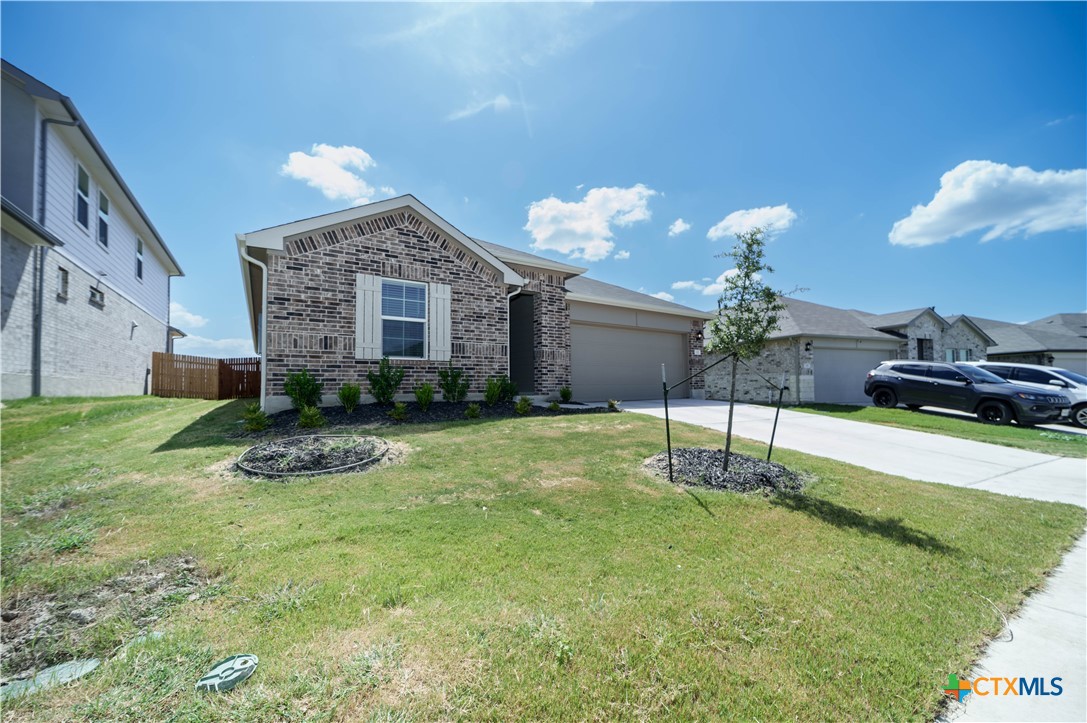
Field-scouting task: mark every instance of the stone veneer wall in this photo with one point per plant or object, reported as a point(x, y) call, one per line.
point(696, 357)
point(786, 355)
point(961, 336)
point(550, 330)
point(957, 336)
point(311, 302)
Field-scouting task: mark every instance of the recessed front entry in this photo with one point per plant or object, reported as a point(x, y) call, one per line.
point(522, 358)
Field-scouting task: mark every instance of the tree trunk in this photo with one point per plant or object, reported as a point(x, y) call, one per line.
point(731, 406)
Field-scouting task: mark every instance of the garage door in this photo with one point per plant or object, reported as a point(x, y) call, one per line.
point(609, 362)
point(840, 373)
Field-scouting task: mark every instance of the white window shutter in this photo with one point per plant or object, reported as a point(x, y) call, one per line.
point(367, 316)
point(441, 324)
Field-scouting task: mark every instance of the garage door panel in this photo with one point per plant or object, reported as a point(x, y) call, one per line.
point(840, 374)
point(621, 363)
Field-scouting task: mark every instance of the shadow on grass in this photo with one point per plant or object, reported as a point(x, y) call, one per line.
point(699, 501)
point(889, 528)
point(211, 429)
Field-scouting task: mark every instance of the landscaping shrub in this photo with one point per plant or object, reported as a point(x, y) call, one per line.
point(613, 405)
point(349, 395)
point(310, 417)
point(565, 394)
point(255, 418)
point(399, 412)
point(303, 389)
point(385, 381)
point(524, 406)
point(453, 383)
point(424, 395)
point(554, 407)
point(499, 389)
point(472, 412)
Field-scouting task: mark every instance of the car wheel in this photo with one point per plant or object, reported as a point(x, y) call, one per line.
point(913, 407)
point(1079, 416)
point(994, 413)
point(884, 397)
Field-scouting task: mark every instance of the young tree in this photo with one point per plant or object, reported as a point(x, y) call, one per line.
point(747, 311)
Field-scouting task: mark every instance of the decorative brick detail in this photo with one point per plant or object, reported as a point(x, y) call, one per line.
point(311, 301)
point(695, 361)
point(551, 329)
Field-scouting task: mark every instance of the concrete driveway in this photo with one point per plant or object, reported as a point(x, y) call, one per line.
point(1048, 637)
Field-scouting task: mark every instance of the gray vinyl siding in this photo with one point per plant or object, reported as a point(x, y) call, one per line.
point(18, 126)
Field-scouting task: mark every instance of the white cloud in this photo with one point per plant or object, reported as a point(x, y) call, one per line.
point(330, 169)
point(221, 348)
point(976, 195)
point(678, 226)
point(1058, 121)
point(622, 255)
point(718, 286)
point(184, 319)
point(583, 229)
point(663, 295)
point(500, 103)
point(388, 191)
point(688, 285)
point(772, 219)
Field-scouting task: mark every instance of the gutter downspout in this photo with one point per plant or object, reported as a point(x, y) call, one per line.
point(38, 295)
point(263, 319)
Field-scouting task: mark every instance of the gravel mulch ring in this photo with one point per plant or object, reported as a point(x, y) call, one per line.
point(42, 629)
point(312, 454)
point(702, 467)
point(378, 415)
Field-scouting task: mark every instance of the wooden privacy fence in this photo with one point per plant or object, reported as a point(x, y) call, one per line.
point(198, 377)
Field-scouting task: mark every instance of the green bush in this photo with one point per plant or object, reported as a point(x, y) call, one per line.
point(524, 406)
point(472, 411)
point(453, 383)
point(303, 389)
point(255, 418)
point(310, 417)
point(399, 412)
point(499, 389)
point(565, 394)
point(613, 405)
point(424, 395)
point(554, 407)
point(385, 382)
point(349, 395)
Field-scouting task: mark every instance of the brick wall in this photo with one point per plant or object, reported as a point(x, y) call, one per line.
point(551, 330)
point(695, 359)
point(786, 356)
point(311, 302)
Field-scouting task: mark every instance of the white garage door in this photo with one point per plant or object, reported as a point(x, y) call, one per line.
point(611, 362)
point(840, 374)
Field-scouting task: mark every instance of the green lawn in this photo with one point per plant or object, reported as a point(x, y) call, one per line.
point(1046, 441)
point(513, 569)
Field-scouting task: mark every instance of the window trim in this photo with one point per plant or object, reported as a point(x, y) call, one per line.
point(425, 321)
point(102, 195)
point(79, 196)
point(62, 283)
point(98, 297)
point(139, 259)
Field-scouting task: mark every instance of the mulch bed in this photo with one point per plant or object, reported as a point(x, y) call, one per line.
point(700, 467)
point(312, 454)
point(378, 415)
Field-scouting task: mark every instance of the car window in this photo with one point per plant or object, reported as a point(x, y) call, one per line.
point(1077, 378)
point(977, 374)
point(917, 370)
point(947, 373)
point(1035, 376)
point(1003, 372)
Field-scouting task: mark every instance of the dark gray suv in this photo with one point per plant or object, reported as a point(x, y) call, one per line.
point(965, 388)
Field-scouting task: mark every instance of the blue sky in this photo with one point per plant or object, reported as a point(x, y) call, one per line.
point(906, 155)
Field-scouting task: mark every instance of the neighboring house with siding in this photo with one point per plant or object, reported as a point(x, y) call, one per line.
point(1059, 340)
point(823, 353)
point(85, 275)
point(336, 293)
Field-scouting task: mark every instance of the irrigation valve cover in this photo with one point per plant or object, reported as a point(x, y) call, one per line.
point(228, 673)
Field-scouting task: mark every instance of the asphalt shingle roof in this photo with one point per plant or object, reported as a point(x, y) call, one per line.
point(1022, 338)
point(804, 318)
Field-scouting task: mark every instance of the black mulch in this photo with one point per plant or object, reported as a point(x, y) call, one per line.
point(705, 468)
point(310, 454)
point(377, 414)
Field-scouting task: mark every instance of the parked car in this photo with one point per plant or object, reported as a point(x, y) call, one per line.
point(966, 388)
point(1073, 385)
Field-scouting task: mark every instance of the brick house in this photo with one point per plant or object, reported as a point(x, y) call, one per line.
point(824, 352)
point(336, 293)
point(86, 277)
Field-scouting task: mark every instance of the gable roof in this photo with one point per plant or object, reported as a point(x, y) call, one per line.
point(582, 288)
point(1073, 324)
point(896, 318)
point(1029, 338)
point(274, 236)
point(805, 318)
point(54, 103)
point(524, 258)
point(964, 319)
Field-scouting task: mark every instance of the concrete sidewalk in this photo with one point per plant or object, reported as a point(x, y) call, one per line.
point(1049, 635)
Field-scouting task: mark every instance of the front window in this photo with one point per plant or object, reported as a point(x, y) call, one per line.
point(403, 319)
point(139, 259)
point(103, 219)
point(82, 197)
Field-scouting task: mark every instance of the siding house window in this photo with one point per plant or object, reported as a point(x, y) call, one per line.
point(62, 282)
point(139, 259)
point(403, 319)
point(103, 219)
point(82, 197)
point(98, 297)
